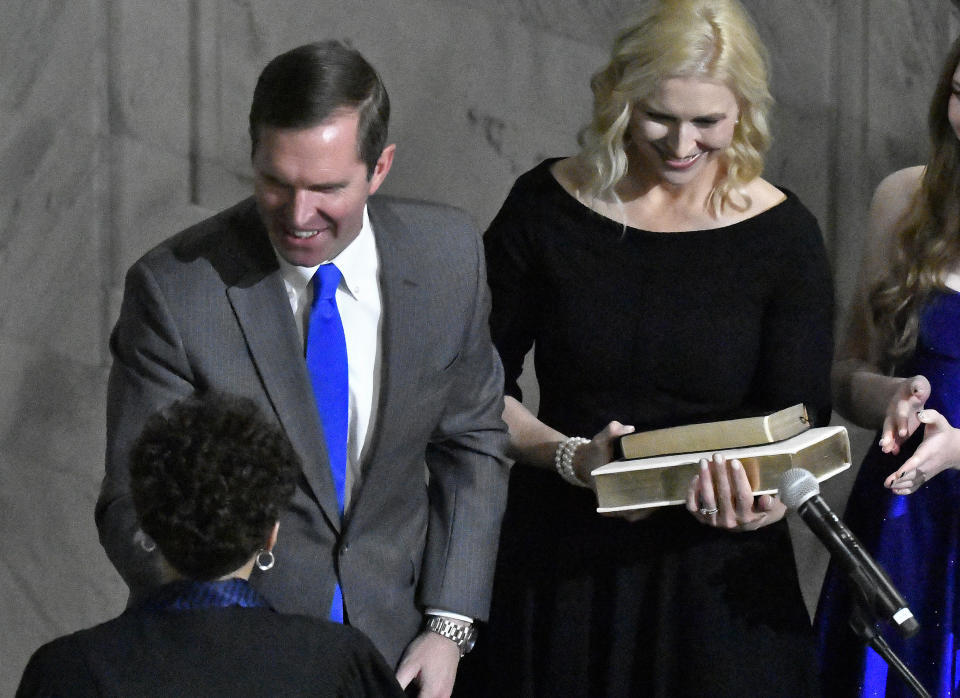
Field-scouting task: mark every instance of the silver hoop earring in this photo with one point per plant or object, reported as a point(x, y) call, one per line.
point(265, 560)
point(145, 542)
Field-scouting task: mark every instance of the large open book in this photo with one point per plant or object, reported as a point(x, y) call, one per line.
point(663, 480)
point(716, 436)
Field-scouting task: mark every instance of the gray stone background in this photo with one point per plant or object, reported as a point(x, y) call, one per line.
point(124, 120)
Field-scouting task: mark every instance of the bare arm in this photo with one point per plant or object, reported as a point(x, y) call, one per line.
point(861, 391)
point(531, 441)
point(534, 443)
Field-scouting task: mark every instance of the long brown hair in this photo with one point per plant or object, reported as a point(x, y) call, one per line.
point(928, 236)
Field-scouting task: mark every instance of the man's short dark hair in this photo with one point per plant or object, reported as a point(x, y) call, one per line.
point(307, 85)
point(210, 476)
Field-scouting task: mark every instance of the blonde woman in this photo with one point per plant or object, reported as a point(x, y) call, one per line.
point(898, 370)
point(660, 281)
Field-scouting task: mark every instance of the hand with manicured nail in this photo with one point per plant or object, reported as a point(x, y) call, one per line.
point(901, 419)
point(720, 495)
point(939, 450)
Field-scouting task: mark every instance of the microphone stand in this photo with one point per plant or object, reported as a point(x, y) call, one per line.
point(863, 625)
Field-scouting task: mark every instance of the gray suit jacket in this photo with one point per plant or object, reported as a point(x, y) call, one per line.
point(207, 309)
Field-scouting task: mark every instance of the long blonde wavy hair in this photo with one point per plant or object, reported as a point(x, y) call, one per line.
point(711, 39)
point(927, 237)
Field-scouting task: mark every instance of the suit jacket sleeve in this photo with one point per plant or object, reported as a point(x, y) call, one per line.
point(150, 370)
point(468, 470)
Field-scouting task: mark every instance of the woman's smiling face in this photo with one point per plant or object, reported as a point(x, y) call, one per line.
point(677, 134)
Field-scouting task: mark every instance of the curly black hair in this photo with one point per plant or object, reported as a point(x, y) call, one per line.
point(210, 476)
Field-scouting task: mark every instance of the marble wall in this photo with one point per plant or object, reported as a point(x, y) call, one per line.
point(125, 120)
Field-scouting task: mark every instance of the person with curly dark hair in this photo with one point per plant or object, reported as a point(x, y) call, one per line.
point(209, 477)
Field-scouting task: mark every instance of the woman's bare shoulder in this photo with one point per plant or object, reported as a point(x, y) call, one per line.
point(893, 197)
point(765, 193)
point(569, 172)
point(907, 177)
point(762, 196)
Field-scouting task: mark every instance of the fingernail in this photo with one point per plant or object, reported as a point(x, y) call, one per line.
point(735, 465)
point(703, 464)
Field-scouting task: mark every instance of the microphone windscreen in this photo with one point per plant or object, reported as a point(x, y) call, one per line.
point(797, 486)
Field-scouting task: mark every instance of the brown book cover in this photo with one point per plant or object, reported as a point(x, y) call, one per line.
point(716, 436)
point(663, 480)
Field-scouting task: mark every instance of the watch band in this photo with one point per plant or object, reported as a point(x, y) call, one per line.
point(463, 634)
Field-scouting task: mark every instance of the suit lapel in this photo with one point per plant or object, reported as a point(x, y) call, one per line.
point(400, 344)
point(261, 306)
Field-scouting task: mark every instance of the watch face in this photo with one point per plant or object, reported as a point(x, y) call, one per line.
point(469, 641)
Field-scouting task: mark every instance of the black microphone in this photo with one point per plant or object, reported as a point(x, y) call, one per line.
point(800, 491)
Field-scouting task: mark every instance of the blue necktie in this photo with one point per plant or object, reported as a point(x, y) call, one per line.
point(327, 366)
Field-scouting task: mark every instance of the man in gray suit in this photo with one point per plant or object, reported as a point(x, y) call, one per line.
point(406, 554)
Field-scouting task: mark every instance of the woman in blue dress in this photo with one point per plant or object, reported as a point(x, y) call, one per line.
point(898, 370)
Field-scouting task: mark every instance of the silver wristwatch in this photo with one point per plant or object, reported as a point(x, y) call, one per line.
point(464, 634)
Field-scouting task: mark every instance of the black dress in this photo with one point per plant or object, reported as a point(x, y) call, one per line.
point(651, 329)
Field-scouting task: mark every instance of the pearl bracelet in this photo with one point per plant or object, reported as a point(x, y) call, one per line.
point(563, 460)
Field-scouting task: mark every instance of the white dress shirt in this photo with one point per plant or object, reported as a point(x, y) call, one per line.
point(359, 303)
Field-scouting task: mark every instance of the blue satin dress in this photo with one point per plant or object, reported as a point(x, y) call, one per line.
point(915, 538)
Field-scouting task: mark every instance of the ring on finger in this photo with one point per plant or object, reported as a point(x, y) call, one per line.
point(709, 512)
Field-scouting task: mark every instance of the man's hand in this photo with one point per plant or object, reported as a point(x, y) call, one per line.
point(431, 661)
